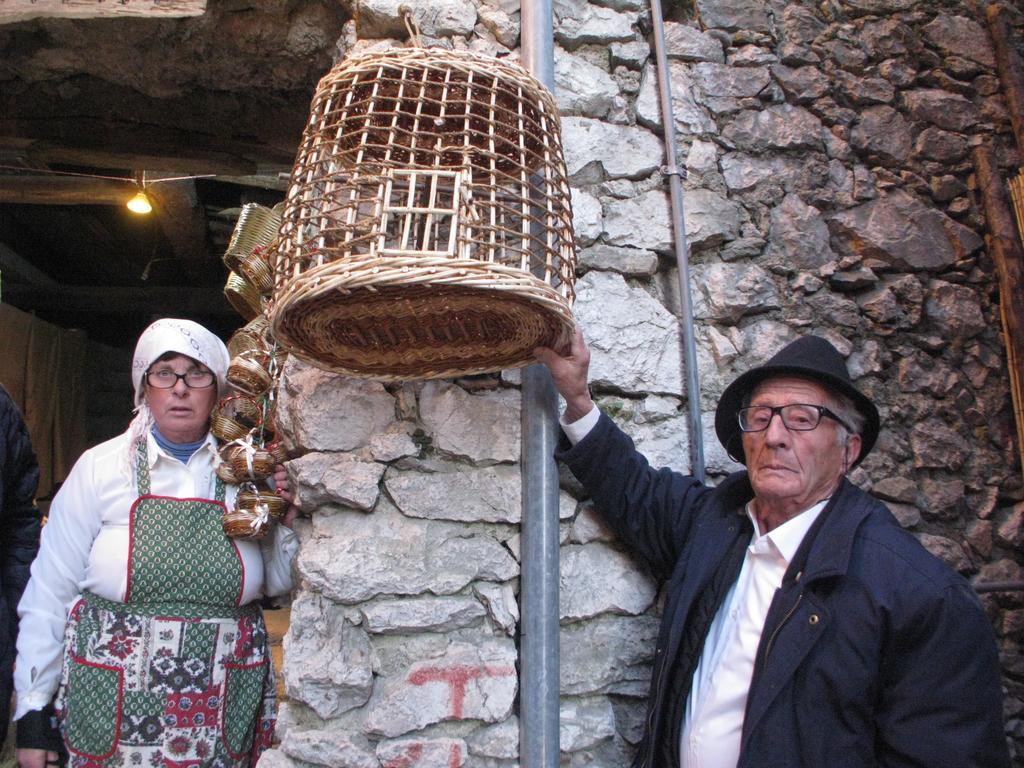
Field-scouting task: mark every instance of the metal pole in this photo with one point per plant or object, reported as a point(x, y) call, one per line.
point(675, 186)
point(538, 629)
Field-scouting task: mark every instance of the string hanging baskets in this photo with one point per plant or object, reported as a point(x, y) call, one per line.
point(427, 229)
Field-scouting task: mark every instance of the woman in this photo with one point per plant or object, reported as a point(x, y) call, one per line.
point(140, 613)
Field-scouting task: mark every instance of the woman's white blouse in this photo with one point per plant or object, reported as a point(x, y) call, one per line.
point(85, 547)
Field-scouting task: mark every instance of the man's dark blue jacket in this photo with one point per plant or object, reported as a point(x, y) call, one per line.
point(19, 534)
point(874, 653)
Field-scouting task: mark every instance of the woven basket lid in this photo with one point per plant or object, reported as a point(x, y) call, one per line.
point(427, 230)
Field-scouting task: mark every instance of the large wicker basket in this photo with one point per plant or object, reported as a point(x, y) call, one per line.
point(427, 229)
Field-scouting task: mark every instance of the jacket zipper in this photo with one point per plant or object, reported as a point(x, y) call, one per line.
point(650, 715)
point(780, 625)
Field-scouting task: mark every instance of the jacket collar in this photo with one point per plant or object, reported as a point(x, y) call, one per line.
point(831, 545)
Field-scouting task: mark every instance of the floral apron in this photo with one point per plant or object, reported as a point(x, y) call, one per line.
point(179, 675)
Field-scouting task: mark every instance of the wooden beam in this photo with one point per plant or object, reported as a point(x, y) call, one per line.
point(13, 263)
point(76, 299)
point(64, 190)
point(1005, 248)
point(13, 11)
point(1011, 69)
point(183, 221)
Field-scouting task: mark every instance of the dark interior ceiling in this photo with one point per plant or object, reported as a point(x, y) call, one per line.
point(86, 105)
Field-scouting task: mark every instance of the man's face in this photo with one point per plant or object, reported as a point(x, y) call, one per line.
point(790, 470)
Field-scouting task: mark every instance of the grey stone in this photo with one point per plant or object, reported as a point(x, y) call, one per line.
point(751, 56)
point(501, 605)
point(687, 43)
point(500, 23)
point(594, 24)
point(884, 133)
point(331, 748)
point(631, 262)
point(422, 752)
point(946, 110)
point(631, 55)
point(600, 654)
point(802, 84)
point(488, 494)
point(594, 579)
point(327, 660)
point(943, 499)
point(864, 90)
point(500, 741)
point(582, 723)
point(799, 237)
point(899, 231)
point(936, 144)
point(885, 38)
point(395, 443)
point(588, 527)
point(948, 551)
point(321, 411)
point(358, 557)
point(330, 478)
point(634, 341)
point(587, 215)
point(726, 292)
point(723, 89)
point(896, 488)
point(936, 446)
point(639, 222)
point(800, 24)
point(749, 15)
point(961, 36)
point(581, 88)
point(420, 614)
point(469, 682)
point(690, 118)
point(481, 428)
point(710, 219)
point(1010, 532)
point(779, 126)
point(622, 151)
point(439, 18)
point(954, 310)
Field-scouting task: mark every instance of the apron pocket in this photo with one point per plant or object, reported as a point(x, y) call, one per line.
point(93, 708)
point(243, 695)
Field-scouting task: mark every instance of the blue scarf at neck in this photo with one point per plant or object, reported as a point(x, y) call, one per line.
point(181, 451)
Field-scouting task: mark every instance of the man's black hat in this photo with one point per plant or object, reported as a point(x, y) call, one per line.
point(809, 357)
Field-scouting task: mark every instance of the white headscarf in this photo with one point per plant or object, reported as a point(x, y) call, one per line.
point(183, 337)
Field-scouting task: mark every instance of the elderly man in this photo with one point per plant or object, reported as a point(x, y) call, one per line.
point(802, 625)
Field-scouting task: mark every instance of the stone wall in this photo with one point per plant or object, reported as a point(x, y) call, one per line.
point(829, 190)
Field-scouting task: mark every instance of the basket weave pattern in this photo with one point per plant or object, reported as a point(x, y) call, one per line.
point(427, 229)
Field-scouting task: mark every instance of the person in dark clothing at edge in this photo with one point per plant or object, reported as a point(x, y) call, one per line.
point(802, 626)
point(19, 537)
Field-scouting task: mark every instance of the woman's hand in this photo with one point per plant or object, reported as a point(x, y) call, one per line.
point(284, 490)
point(36, 758)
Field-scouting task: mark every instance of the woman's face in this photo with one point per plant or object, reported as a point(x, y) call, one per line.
point(182, 413)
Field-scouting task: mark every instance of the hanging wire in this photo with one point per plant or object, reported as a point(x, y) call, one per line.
point(411, 26)
point(133, 179)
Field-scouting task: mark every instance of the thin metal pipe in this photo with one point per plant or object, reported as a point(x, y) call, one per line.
point(538, 629)
point(674, 173)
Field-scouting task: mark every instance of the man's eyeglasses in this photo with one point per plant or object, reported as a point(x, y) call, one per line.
point(798, 417)
point(165, 378)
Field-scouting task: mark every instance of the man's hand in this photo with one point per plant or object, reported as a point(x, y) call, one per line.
point(569, 372)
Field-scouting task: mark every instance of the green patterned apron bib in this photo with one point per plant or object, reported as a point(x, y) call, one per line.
point(179, 675)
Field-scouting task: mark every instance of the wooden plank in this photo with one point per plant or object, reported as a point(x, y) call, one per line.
point(1011, 69)
point(13, 11)
point(1004, 246)
point(94, 300)
point(64, 190)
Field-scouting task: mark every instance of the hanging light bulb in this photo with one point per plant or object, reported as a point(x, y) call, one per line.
point(140, 203)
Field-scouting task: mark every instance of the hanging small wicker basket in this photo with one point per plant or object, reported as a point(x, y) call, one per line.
point(243, 296)
point(427, 229)
point(257, 226)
